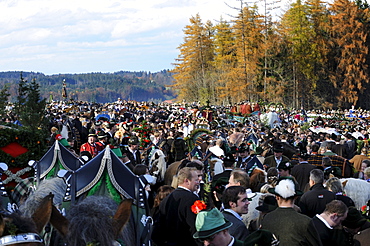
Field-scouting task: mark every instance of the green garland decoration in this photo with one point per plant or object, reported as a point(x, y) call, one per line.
point(53, 171)
point(94, 190)
point(112, 191)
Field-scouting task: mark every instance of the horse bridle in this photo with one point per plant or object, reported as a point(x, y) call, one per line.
point(21, 238)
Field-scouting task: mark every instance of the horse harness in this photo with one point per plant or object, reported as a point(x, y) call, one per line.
point(21, 238)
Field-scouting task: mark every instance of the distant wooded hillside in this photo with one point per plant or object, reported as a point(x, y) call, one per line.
point(97, 87)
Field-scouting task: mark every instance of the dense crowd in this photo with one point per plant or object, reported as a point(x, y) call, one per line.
point(244, 174)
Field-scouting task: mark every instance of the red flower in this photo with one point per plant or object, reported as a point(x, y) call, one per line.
point(363, 208)
point(198, 206)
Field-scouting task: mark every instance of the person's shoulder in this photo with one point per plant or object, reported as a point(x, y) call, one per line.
point(238, 243)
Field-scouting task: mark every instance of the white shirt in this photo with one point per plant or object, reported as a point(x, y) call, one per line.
point(324, 221)
point(233, 213)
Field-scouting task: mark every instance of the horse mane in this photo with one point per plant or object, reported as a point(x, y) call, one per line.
point(158, 164)
point(56, 186)
point(91, 220)
point(15, 223)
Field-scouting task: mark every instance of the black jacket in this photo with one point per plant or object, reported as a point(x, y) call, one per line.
point(314, 201)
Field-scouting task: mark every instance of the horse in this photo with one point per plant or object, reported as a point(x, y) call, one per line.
point(358, 190)
point(84, 221)
point(97, 220)
point(157, 164)
point(171, 171)
point(56, 186)
point(253, 214)
point(16, 229)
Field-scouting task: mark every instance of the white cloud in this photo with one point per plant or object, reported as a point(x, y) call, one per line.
point(53, 36)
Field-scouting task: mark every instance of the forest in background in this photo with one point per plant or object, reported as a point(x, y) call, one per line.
point(316, 56)
point(96, 87)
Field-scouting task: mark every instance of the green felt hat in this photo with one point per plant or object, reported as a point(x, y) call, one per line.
point(210, 222)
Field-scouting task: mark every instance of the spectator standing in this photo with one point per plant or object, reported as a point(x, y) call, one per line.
point(314, 201)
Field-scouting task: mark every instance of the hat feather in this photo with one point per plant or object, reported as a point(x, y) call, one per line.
point(285, 188)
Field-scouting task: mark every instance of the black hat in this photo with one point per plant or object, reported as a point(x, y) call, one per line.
point(304, 156)
point(284, 165)
point(286, 188)
point(219, 185)
point(278, 148)
point(229, 159)
point(269, 204)
point(92, 133)
point(85, 156)
point(133, 140)
point(233, 149)
point(354, 219)
point(102, 134)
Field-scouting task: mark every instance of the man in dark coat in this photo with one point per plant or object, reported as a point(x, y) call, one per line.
point(178, 147)
point(213, 229)
point(350, 146)
point(229, 163)
point(235, 200)
point(314, 201)
point(176, 224)
point(291, 227)
point(133, 152)
point(302, 171)
point(338, 148)
point(333, 215)
point(276, 158)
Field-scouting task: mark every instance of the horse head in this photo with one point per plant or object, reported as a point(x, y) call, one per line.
point(157, 164)
point(16, 229)
point(94, 221)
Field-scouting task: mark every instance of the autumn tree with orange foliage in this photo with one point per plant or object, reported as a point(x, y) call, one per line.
point(348, 37)
point(194, 63)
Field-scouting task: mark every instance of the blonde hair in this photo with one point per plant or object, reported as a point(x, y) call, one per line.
point(185, 173)
point(367, 172)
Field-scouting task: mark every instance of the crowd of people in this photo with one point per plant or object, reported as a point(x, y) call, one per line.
point(289, 162)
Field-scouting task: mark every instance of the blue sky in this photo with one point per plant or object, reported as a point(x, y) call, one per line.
point(82, 36)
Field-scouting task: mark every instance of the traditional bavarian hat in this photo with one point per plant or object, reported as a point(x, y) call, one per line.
point(210, 222)
point(286, 188)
